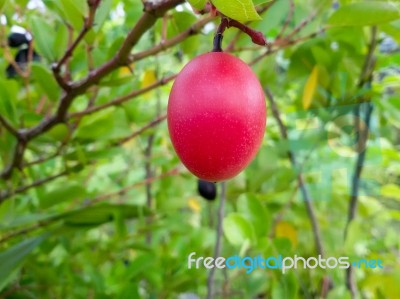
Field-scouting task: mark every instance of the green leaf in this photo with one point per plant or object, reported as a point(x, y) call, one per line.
point(8, 98)
point(61, 40)
point(310, 88)
point(62, 191)
point(2, 3)
point(286, 287)
point(129, 291)
point(392, 29)
point(197, 4)
point(238, 229)
point(12, 258)
point(182, 20)
point(110, 123)
point(18, 221)
point(97, 215)
point(96, 125)
point(120, 225)
point(102, 13)
point(58, 132)
point(75, 11)
point(273, 18)
point(140, 264)
point(44, 39)
point(339, 292)
point(46, 81)
point(240, 10)
point(364, 14)
point(356, 233)
point(391, 190)
point(251, 208)
point(259, 2)
point(115, 81)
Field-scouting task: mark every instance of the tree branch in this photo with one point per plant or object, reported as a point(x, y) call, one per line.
point(152, 11)
point(88, 24)
point(361, 139)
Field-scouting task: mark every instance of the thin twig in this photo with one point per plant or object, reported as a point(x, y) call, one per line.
point(303, 24)
point(218, 242)
point(25, 231)
point(123, 191)
point(35, 184)
point(42, 159)
point(327, 282)
point(88, 23)
point(303, 188)
point(9, 127)
point(122, 99)
point(288, 19)
point(120, 142)
point(142, 129)
point(168, 43)
point(283, 43)
point(28, 73)
point(361, 138)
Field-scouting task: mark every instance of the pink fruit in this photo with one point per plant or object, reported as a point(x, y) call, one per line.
point(216, 116)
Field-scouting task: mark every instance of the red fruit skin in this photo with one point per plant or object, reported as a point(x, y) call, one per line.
point(216, 116)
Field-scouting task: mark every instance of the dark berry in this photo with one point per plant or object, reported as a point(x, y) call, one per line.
point(207, 190)
point(17, 39)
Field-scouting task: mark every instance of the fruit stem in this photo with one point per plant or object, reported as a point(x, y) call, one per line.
point(217, 45)
point(217, 42)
